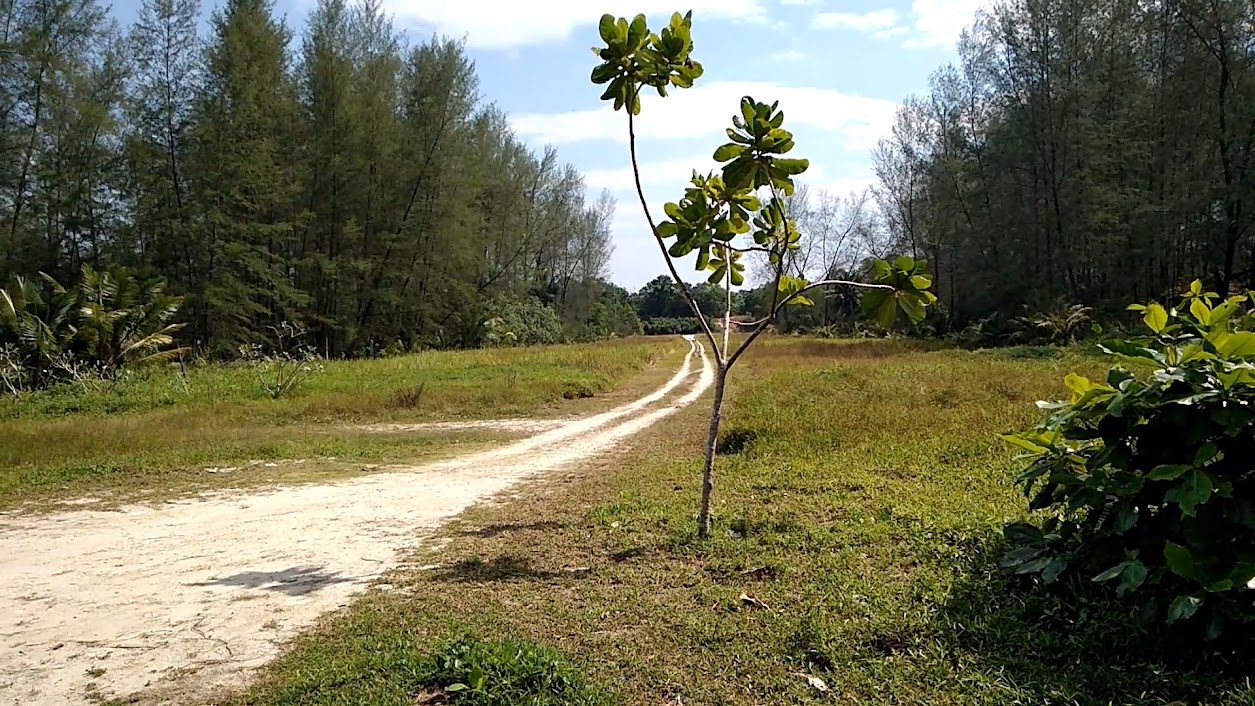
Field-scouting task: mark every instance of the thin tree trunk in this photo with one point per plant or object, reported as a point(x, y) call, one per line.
point(712, 438)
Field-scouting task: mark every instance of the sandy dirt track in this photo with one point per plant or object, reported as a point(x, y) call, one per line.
point(198, 592)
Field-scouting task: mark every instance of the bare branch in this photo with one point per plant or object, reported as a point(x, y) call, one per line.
point(761, 324)
point(666, 256)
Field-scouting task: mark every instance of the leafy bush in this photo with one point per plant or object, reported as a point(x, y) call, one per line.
point(510, 673)
point(523, 322)
point(670, 326)
point(1065, 324)
point(109, 320)
point(1147, 479)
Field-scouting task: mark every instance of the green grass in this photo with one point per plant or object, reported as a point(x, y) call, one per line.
point(158, 430)
point(859, 505)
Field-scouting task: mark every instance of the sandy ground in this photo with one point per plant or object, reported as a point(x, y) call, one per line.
point(196, 593)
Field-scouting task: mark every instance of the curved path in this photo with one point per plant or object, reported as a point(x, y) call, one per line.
point(98, 603)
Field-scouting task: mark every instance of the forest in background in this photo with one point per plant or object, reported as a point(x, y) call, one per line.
point(1080, 153)
point(342, 179)
point(1077, 154)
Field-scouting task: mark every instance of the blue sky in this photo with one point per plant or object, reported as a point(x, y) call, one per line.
point(838, 67)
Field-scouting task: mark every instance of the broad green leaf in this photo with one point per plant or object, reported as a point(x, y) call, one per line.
point(1033, 565)
point(1180, 561)
point(1022, 533)
point(1156, 318)
point(881, 269)
point(1196, 287)
point(921, 281)
point(1240, 344)
point(881, 306)
point(1078, 384)
point(791, 167)
point(1169, 472)
point(607, 29)
point(1111, 573)
point(1201, 311)
point(1194, 490)
point(912, 306)
point(728, 152)
point(1184, 608)
point(1206, 453)
point(603, 73)
point(638, 31)
point(904, 263)
point(1133, 576)
point(1053, 569)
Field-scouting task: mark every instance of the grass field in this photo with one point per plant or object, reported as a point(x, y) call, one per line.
point(861, 527)
point(161, 431)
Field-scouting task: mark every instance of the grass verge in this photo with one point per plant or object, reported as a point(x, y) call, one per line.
point(859, 509)
point(161, 432)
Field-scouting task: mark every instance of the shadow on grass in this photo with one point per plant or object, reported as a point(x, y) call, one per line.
point(490, 531)
point(296, 581)
point(507, 567)
point(1075, 643)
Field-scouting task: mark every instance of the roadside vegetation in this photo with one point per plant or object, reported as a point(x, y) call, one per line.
point(161, 428)
point(854, 549)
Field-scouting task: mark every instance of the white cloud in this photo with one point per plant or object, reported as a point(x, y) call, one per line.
point(858, 121)
point(800, 2)
point(665, 172)
point(502, 24)
point(932, 24)
point(852, 182)
point(939, 23)
point(788, 55)
point(859, 22)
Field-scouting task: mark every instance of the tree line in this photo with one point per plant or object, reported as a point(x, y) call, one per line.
point(343, 178)
point(1080, 153)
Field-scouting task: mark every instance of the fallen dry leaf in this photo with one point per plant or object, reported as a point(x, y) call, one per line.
point(753, 602)
point(819, 684)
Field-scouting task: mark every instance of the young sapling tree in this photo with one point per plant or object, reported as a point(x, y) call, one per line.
point(722, 217)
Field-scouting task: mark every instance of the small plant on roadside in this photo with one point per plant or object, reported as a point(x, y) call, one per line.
point(742, 210)
point(13, 374)
point(481, 673)
point(1147, 478)
point(282, 369)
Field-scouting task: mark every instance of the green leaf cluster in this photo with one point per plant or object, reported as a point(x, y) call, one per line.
point(742, 209)
point(1146, 476)
point(634, 57)
point(905, 284)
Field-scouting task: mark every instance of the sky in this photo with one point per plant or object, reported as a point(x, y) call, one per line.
point(839, 69)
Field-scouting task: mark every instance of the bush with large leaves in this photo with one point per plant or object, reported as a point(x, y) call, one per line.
point(1148, 478)
point(36, 327)
point(108, 321)
point(125, 321)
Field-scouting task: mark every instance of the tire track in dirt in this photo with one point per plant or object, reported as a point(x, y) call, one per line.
point(197, 593)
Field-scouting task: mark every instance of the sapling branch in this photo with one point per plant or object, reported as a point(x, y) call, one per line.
point(649, 218)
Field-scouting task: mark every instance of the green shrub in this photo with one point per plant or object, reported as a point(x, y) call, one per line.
point(510, 673)
point(1147, 479)
point(670, 326)
point(523, 322)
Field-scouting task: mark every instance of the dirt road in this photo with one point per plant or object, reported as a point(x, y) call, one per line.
point(99, 603)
